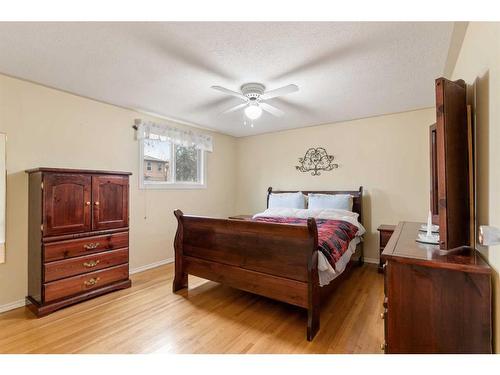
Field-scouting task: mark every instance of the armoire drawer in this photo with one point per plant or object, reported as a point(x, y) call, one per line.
point(83, 283)
point(75, 266)
point(84, 246)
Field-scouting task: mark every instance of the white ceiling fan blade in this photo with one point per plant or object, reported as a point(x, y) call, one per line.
point(230, 92)
point(288, 89)
point(235, 108)
point(272, 110)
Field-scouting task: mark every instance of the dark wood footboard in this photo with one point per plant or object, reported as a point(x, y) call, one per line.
point(278, 261)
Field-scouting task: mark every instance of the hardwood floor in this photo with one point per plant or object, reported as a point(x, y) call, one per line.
point(208, 318)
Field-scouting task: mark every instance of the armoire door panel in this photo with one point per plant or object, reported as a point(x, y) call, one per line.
point(66, 204)
point(110, 202)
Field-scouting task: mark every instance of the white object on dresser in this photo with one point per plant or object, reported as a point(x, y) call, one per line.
point(489, 236)
point(428, 237)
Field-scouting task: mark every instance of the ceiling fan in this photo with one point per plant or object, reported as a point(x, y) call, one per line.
point(254, 96)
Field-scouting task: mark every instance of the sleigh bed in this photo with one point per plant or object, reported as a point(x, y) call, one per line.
point(275, 260)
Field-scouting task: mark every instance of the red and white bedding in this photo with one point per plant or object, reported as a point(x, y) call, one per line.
point(339, 232)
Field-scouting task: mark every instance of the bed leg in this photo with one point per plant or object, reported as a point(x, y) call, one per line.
point(361, 259)
point(312, 322)
point(313, 288)
point(180, 277)
point(180, 281)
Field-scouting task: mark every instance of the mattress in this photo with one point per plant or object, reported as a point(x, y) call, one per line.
point(326, 272)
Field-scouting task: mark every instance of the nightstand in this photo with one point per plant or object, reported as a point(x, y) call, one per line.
point(385, 232)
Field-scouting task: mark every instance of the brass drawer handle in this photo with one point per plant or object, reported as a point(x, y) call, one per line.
point(383, 314)
point(383, 346)
point(91, 246)
point(91, 264)
point(96, 203)
point(92, 281)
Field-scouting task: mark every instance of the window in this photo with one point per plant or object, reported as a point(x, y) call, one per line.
point(166, 165)
point(170, 157)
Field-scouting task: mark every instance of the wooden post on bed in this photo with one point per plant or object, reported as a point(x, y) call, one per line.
point(180, 276)
point(313, 308)
point(361, 259)
point(269, 192)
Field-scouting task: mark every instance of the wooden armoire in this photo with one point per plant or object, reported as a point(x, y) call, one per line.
point(77, 236)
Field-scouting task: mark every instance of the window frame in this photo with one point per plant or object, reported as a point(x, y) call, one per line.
point(202, 172)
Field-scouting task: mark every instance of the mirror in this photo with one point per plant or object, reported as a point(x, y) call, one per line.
point(3, 195)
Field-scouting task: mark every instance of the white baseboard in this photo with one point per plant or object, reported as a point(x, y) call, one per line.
point(12, 305)
point(151, 265)
point(22, 302)
point(371, 260)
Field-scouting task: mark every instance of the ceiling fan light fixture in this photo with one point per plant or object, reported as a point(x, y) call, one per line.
point(253, 112)
point(254, 97)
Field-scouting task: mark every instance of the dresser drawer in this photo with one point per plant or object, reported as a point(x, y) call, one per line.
point(84, 246)
point(83, 283)
point(88, 263)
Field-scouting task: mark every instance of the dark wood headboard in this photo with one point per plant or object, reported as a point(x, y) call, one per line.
point(357, 196)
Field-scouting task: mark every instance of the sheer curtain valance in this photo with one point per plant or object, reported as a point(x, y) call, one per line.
point(166, 133)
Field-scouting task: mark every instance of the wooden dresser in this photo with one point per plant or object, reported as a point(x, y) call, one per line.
point(385, 232)
point(435, 301)
point(78, 236)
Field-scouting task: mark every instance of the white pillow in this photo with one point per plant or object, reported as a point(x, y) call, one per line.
point(337, 201)
point(287, 200)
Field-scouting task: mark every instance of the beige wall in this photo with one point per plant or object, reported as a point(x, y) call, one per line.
point(47, 127)
point(387, 155)
point(479, 65)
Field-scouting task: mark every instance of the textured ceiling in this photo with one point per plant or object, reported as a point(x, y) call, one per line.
point(344, 70)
